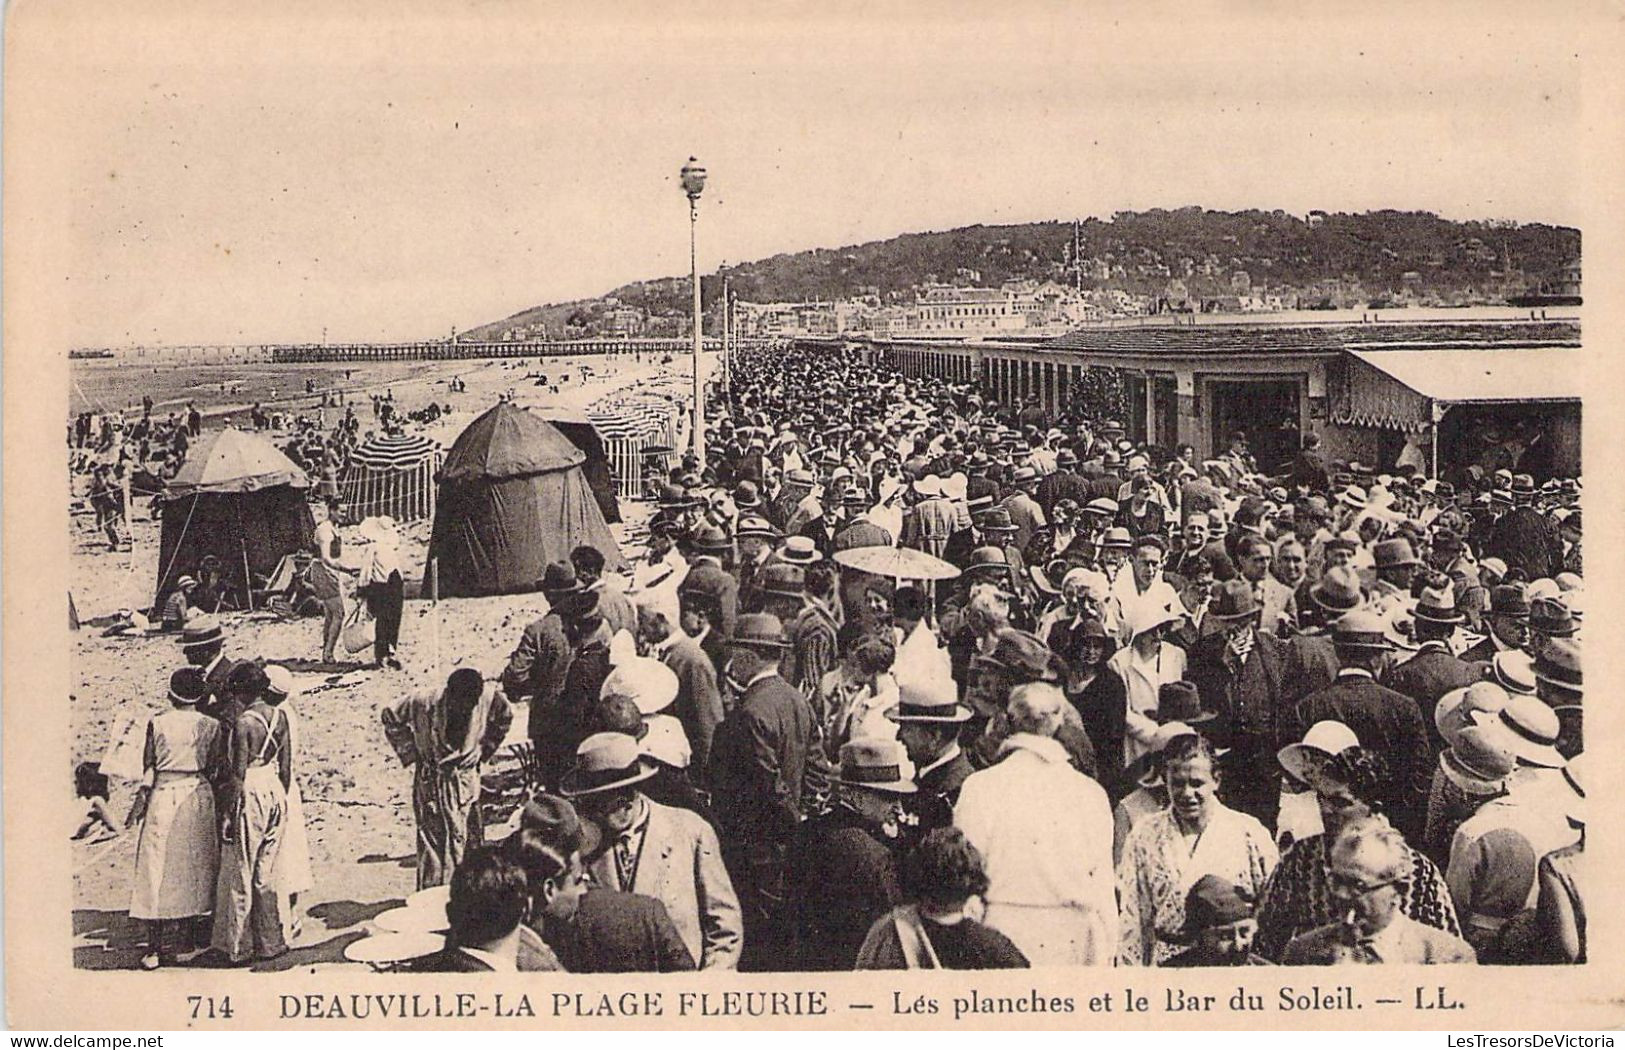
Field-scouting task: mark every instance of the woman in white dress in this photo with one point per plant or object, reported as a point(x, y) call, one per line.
point(178, 857)
point(1145, 665)
point(292, 873)
point(1168, 851)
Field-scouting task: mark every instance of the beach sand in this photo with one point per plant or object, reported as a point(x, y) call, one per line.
point(357, 796)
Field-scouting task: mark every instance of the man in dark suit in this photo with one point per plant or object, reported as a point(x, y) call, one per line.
point(929, 719)
point(537, 665)
point(598, 930)
point(1523, 538)
point(1507, 621)
point(758, 759)
point(1238, 671)
point(1063, 483)
point(1434, 670)
point(489, 897)
point(699, 698)
point(842, 875)
point(1383, 720)
point(708, 579)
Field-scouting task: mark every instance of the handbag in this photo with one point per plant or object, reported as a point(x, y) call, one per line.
point(359, 629)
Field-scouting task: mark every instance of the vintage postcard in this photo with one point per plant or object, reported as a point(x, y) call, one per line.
point(811, 516)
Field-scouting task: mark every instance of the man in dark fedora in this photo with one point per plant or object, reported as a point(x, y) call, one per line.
point(1435, 669)
point(1311, 662)
point(536, 667)
point(1239, 672)
point(1396, 565)
point(708, 579)
point(1549, 618)
point(589, 665)
point(659, 851)
point(1506, 624)
point(1382, 719)
point(1523, 537)
point(1025, 513)
point(203, 642)
point(758, 762)
point(842, 874)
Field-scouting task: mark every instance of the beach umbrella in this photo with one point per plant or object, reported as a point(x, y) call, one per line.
point(903, 563)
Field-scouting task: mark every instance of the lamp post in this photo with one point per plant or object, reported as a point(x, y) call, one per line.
point(693, 175)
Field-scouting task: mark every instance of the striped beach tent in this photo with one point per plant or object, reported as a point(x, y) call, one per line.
point(391, 474)
point(628, 425)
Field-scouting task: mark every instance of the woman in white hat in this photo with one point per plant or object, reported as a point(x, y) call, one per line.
point(1167, 852)
point(178, 856)
point(1145, 665)
point(383, 587)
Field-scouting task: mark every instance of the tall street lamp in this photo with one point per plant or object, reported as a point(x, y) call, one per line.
point(693, 176)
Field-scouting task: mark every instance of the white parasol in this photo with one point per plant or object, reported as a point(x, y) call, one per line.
point(903, 563)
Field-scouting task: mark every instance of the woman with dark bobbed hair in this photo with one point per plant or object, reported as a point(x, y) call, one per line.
point(943, 879)
point(1349, 786)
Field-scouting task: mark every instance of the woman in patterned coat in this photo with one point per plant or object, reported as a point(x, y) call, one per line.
point(1169, 851)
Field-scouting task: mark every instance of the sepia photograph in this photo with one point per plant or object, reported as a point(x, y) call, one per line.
point(772, 493)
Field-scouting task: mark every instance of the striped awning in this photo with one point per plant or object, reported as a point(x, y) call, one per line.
point(394, 451)
point(633, 417)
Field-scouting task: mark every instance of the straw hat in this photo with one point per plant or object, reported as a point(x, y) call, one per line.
point(1514, 671)
point(877, 764)
point(187, 685)
point(1324, 741)
point(800, 550)
point(200, 631)
point(1456, 708)
point(1527, 728)
point(1476, 762)
point(1338, 590)
point(650, 684)
point(606, 762)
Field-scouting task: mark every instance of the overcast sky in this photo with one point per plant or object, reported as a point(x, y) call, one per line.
point(388, 178)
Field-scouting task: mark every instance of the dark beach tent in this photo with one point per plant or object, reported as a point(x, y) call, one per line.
point(596, 468)
point(240, 499)
point(512, 498)
point(391, 474)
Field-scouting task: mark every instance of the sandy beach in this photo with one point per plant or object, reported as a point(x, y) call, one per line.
point(357, 796)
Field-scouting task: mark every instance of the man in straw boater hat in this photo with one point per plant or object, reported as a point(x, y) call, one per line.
point(1383, 720)
point(929, 720)
point(758, 762)
point(659, 851)
point(1239, 670)
point(842, 874)
point(1435, 669)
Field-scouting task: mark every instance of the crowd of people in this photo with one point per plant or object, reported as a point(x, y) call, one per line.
point(1158, 712)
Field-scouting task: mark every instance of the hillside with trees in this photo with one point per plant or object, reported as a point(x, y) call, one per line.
point(1139, 252)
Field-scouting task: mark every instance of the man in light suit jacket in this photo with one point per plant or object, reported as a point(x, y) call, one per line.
point(658, 851)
